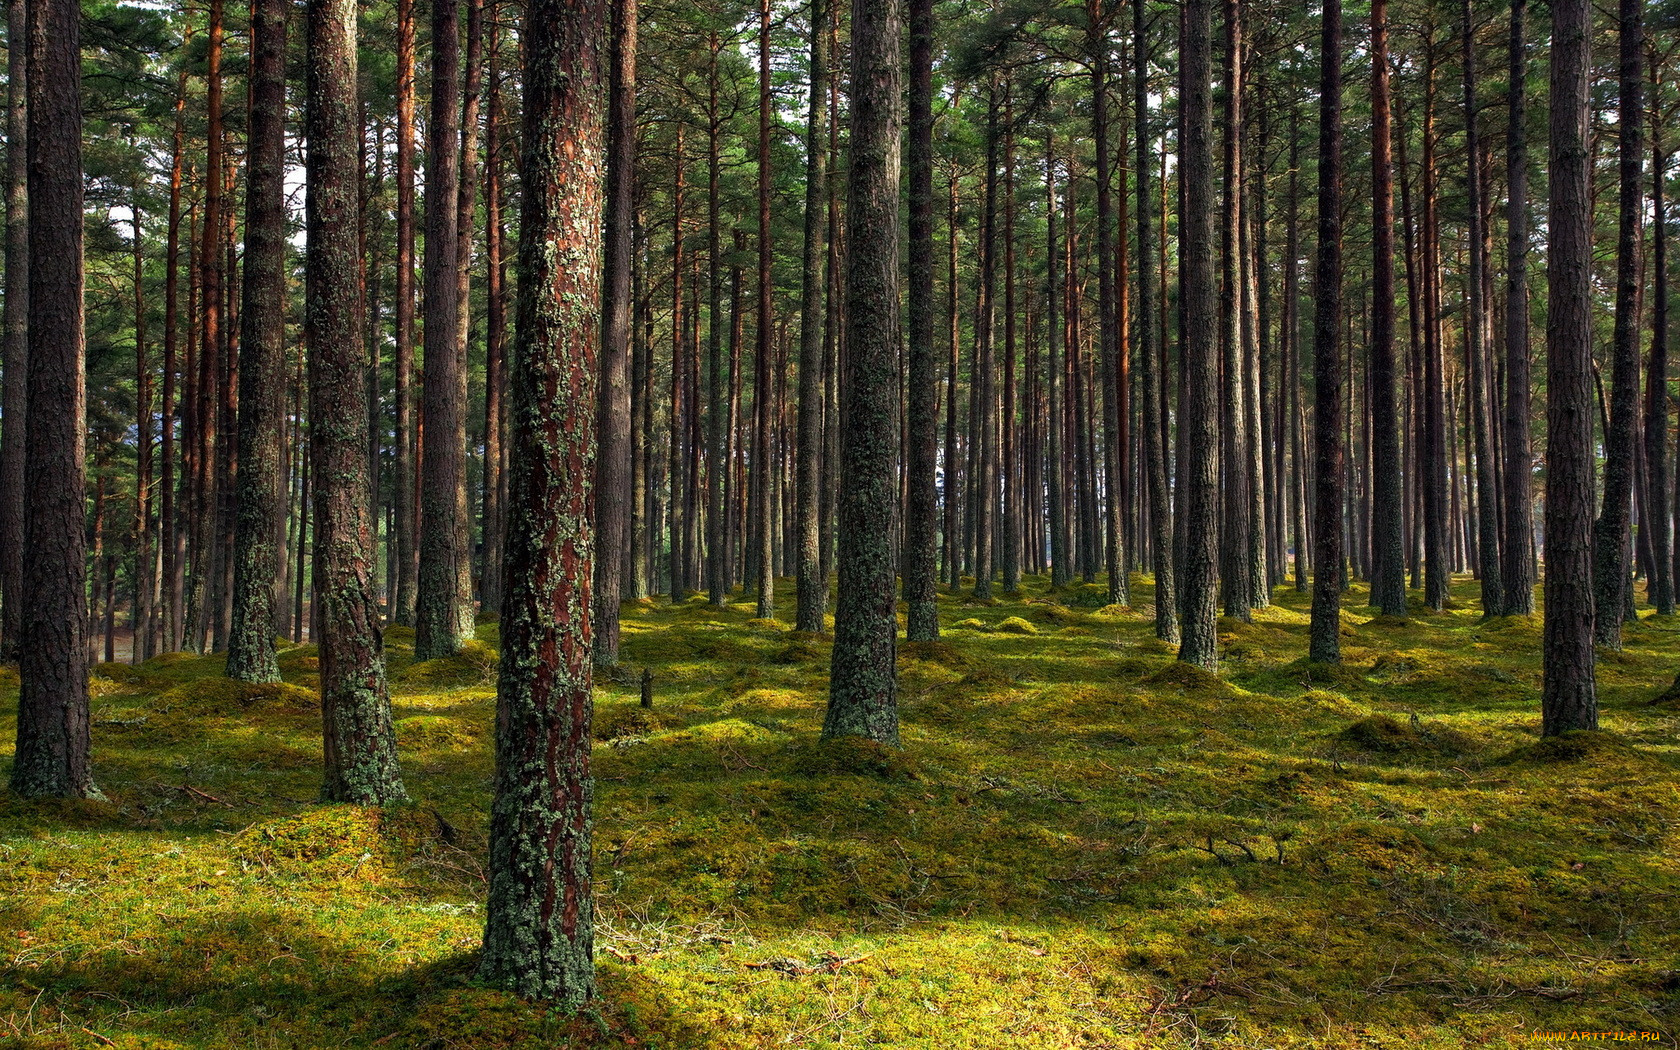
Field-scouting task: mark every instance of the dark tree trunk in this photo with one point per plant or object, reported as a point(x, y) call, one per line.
point(1108, 310)
point(1199, 408)
point(538, 936)
point(922, 412)
point(1658, 509)
point(1235, 480)
point(1569, 700)
point(15, 362)
point(711, 555)
point(1475, 348)
point(443, 609)
point(145, 559)
point(1388, 544)
point(1329, 366)
point(1151, 376)
point(613, 491)
point(405, 583)
point(1061, 559)
point(764, 400)
point(360, 747)
point(495, 346)
point(261, 511)
point(53, 744)
point(171, 535)
point(1613, 534)
point(863, 678)
point(811, 586)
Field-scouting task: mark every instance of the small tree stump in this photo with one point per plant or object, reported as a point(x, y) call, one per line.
point(647, 687)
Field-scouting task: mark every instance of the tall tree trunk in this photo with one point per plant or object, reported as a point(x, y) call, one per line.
point(811, 585)
point(1108, 310)
point(1009, 535)
point(171, 534)
point(1150, 376)
point(52, 755)
point(613, 491)
point(539, 920)
point(763, 455)
point(1569, 700)
point(1329, 367)
point(1436, 466)
point(1057, 489)
point(15, 360)
point(495, 344)
point(443, 614)
point(1233, 425)
point(1198, 411)
point(1388, 544)
point(715, 465)
point(982, 416)
point(145, 561)
point(360, 745)
point(261, 512)
point(405, 585)
point(863, 680)
point(1475, 349)
point(1612, 537)
point(1658, 510)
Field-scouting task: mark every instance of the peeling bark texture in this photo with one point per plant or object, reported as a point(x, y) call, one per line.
point(1612, 546)
point(1199, 412)
point(1519, 455)
point(811, 584)
point(863, 680)
point(1569, 700)
point(360, 746)
point(538, 936)
point(1329, 366)
point(1388, 549)
point(15, 361)
point(443, 614)
point(614, 491)
point(52, 757)
point(260, 509)
point(922, 511)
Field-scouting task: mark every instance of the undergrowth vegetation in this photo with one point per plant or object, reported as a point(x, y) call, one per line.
point(1081, 844)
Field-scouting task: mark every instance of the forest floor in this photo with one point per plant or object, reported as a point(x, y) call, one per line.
point(1081, 844)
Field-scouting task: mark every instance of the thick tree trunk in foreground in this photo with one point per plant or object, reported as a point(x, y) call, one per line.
point(1612, 547)
point(1388, 552)
point(1329, 368)
point(1199, 410)
point(360, 747)
point(921, 514)
point(443, 615)
point(811, 585)
point(52, 757)
point(1569, 700)
point(539, 921)
point(613, 490)
point(863, 679)
point(260, 510)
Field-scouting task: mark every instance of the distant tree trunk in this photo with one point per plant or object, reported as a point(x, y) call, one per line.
point(1569, 700)
point(1658, 509)
point(1061, 559)
point(713, 558)
point(145, 561)
point(1388, 543)
point(811, 585)
point(1295, 423)
point(613, 492)
point(539, 921)
point(495, 346)
point(1329, 368)
point(52, 756)
point(1009, 470)
point(15, 362)
point(1233, 425)
point(982, 446)
point(360, 746)
point(1612, 536)
point(953, 458)
point(261, 511)
point(1475, 351)
point(1108, 310)
point(171, 535)
point(679, 359)
point(863, 678)
point(1436, 466)
point(405, 584)
point(1518, 569)
point(443, 614)
point(763, 400)
point(1150, 377)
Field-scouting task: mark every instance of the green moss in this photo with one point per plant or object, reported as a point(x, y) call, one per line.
point(1016, 625)
point(475, 663)
point(1381, 735)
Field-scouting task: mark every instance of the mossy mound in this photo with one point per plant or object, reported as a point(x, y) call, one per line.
point(935, 652)
point(1381, 735)
point(473, 664)
point(804, 647)
point(420, 733)
point(1329, 702)
point(332, 839)
point(1110, 612)
point(1189, 678)
point(225, 696)
point(302, 659)
point(115, 672)
point(399, 636)
point(1016, 625)
point(852, 756)
point(1669, 697)
point(1313, 672)
point(971, 624)
point(1386, 622)
point(1579, 745)
point(623, 721)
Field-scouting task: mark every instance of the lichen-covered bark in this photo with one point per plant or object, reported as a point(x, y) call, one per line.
point(16, 348)
point(863, 682)
point(1329, 366)
point(359, 745)
point(811, 584)
point(1199, 415)
point(1569, 699)
point(259, 506)
point(52, 757)
point(1612, 540)
point(538, 935)
point(614, 492)
point(443, 614)
point(921, 514)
